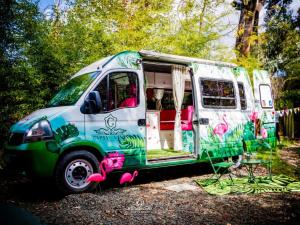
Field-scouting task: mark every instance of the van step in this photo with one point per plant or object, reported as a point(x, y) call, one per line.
point(171, 158)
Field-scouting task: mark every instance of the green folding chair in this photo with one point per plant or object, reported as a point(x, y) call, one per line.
point(222, 163)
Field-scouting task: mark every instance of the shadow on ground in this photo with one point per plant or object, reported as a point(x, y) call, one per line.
point(19, 188)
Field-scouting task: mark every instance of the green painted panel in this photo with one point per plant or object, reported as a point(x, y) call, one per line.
point(188, 141)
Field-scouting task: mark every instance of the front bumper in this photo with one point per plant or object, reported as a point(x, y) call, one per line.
point(33, 158)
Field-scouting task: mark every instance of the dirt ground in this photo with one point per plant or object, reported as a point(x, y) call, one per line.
point(160, 196)
point(291, 154)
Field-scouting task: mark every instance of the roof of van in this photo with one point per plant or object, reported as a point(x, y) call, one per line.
point(95, 66)
point(151, 56)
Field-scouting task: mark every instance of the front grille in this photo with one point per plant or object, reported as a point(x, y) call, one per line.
point(16, 138)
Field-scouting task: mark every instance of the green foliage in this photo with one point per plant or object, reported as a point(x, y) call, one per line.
point(280, 166)
point(29, 70)
point(280, 48)
point(249, 62)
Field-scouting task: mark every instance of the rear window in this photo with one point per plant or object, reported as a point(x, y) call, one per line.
point(217, 94)
point(266, 100)
point(243, 100)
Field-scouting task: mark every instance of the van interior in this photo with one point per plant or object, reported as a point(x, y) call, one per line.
point(163, 141)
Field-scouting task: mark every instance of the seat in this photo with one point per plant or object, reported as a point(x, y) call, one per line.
point(129, 102)
point(167, 118)
point(221, 162)
point(186, 118)
point(132, 100)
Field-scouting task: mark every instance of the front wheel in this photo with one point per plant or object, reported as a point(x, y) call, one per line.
point(72, 171)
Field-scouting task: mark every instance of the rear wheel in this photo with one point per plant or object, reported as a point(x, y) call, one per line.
point(73, 169)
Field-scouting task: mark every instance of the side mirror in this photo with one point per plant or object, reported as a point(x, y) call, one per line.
point(92, 104)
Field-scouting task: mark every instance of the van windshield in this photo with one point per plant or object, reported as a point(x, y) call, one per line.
point(72, 90)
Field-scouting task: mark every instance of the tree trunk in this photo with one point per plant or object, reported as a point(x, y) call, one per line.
point(248, 25)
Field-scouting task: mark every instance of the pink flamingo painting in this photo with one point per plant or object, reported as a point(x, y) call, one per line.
point(264, 133)
point(114, 161)
point(253, 116)
point(127, 177)
point(221, 128)
point(97, 177)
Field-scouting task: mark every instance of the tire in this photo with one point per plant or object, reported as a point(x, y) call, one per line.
point(72, 171)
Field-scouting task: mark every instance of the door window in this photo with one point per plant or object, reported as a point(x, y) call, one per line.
point(167, 101)
point(265, 96)
point(218, 94)
point(119, 90)
point(243, 100)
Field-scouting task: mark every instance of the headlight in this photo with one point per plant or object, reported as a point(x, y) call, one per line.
point(40, 131)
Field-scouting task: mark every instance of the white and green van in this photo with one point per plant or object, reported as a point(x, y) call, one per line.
point(142, 110)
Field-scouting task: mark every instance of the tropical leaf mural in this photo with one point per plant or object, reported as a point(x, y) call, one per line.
point(129, 60)
point(188, 141)
point(64, 132)
point(131, 142)
point(230, 145)
point(195, 67)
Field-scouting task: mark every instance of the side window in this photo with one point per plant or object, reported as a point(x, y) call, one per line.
point(265, 96)
point(218, 94)
point(243, 99)
point(119, 90)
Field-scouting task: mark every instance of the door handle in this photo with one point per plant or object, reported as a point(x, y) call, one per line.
point(201, 121)
point(142, 122)
point(204, 121)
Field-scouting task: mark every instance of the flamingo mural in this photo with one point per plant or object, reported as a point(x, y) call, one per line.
point(98, 177)
point(221, 128)
point(264, 133)
point(115, 161)
point(127, 177)
point(253, 116)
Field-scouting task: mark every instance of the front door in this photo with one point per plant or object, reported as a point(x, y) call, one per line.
point(118, 130)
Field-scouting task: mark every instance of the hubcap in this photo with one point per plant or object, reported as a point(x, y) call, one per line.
point(77, 172)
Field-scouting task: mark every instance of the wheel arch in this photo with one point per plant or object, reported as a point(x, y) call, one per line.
point(93, 150)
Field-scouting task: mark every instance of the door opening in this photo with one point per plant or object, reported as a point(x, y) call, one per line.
point(163, 140)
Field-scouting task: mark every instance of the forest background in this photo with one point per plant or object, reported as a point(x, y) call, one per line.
point(40, 51)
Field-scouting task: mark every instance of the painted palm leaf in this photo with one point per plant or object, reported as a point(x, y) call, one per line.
point(131, 142)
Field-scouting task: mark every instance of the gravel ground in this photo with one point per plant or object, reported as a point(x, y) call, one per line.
point(160, 196)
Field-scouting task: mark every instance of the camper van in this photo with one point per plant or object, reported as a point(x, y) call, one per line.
point(142, 110)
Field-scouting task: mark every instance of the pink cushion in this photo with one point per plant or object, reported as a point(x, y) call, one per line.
point(186, 118)
point(187, 126)
point(129, 102)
